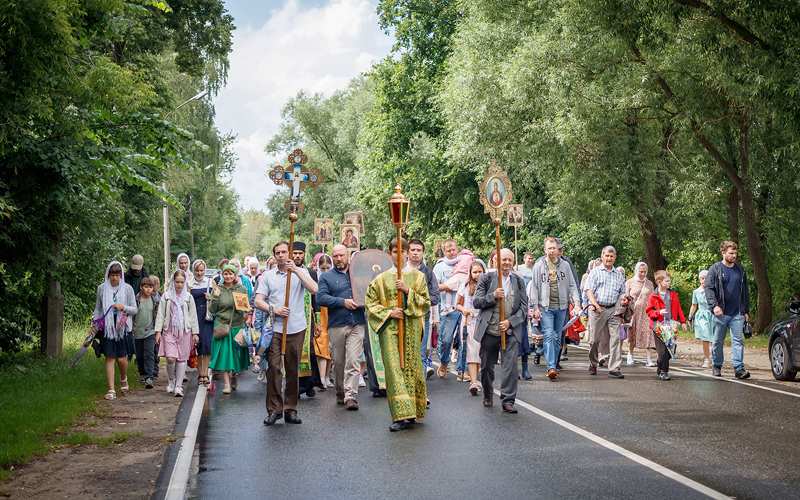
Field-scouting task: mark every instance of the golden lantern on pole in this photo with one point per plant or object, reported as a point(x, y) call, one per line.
point(399, 208)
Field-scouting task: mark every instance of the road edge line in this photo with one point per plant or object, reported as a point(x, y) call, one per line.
point(179, 479)
point(636, 458)
point(723, 379)
point(660, 469)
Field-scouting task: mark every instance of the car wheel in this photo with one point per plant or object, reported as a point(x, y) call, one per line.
point(781, 361)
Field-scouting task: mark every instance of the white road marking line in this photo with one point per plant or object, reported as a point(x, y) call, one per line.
point(180, 472)
point(660, 469)
point(723, 379)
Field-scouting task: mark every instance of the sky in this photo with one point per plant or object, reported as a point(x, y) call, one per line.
point(279, 48)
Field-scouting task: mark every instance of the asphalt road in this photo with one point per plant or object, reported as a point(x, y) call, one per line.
point(736, 440)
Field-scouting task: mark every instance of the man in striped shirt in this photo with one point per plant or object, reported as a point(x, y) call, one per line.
point(606, 288)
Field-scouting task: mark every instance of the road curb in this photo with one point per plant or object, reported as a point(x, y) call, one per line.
point(179, 479)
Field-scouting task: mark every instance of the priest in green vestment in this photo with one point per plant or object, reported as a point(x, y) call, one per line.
point(405, 387)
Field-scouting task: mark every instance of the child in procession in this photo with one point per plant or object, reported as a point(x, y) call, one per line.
point(144, 331)
point(665, 313)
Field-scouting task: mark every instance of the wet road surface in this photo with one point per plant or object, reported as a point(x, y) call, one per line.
point(740, 441)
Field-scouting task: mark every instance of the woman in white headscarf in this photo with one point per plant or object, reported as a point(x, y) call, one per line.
point(176, 330)
point(183, 262)
point(640, 334)
point(200, 288)
point(113, 313)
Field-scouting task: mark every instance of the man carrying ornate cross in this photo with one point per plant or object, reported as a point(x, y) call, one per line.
point(284, 299)
point(405, 385)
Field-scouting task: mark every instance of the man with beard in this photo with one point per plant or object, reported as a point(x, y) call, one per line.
point(345, 325)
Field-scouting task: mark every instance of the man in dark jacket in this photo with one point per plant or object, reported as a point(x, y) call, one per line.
point(346, 326)
point(135, 273)
point(729, 299)
point(416, 254)
point(489, 328)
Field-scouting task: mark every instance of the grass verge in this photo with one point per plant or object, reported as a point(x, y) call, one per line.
point(42, 398)
point(755, 342)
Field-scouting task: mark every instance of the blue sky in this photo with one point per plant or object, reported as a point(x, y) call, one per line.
point(279, 48)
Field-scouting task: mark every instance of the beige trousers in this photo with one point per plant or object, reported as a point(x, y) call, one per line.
point(604, 328)
point(348, 344)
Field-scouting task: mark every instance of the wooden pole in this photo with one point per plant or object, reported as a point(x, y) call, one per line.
point(516, 258)
point(401, 326)
point(500, 301)
point(292, 220)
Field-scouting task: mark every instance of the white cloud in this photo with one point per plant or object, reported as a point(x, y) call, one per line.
point(316, 49)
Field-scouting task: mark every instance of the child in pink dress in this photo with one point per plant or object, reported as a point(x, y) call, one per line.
point(177, 330)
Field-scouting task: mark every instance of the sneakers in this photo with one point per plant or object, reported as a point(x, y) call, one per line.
point(179, 392)
point(474, 389)
point(742, 374)
point(148, 383)
point(171, 387)
point(616, 374)
point(111, 395)
point(664, 376)
point(351, 405)
point(361, 382)
point(717, 371)
point(706, 363)
point(630, 359)
point(592, 370)
point(428, 372)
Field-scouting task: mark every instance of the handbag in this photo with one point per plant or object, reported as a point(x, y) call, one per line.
point(192, 362)
point(240, 338)
point(99, 324)
point(222, 330)
point(747, 330)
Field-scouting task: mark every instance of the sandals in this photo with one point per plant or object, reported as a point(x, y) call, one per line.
point(111, 395)
point(123, 386)
point(442, 371)
point(202, 380)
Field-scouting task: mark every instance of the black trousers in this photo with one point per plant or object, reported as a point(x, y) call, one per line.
point(372, 377)
point(146, 356)
point(663, 355)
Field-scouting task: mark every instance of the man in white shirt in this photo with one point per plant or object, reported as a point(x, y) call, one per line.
point(270, 297)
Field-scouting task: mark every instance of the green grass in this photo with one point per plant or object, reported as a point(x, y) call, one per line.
point(756, 341)
point(42, 398)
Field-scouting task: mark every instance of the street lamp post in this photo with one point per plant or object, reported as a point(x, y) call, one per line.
point(165, 213)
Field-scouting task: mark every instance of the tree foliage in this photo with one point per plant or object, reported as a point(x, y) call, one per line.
point(88, 138)
point(659, 126)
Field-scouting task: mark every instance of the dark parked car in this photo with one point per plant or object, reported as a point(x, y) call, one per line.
point(784, 344)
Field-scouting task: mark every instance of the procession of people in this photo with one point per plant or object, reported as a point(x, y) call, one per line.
point(452, 316)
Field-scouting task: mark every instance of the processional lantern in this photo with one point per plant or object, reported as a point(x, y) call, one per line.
point(399, 209)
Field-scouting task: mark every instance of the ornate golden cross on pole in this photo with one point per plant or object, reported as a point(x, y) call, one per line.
point(298, 178)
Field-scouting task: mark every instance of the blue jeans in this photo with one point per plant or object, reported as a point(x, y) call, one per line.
point(551, 323)
point(721, 325)
point(461, 362)
point(447, 330)
point(426, 333)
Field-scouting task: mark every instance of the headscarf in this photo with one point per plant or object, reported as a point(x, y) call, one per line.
point(177, 321)
point(109, 294)
point(178, 260)
point(636, 271)
point(193, 281)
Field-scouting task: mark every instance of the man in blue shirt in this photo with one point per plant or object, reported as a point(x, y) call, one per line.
point(345, 326)
point(728, 298)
